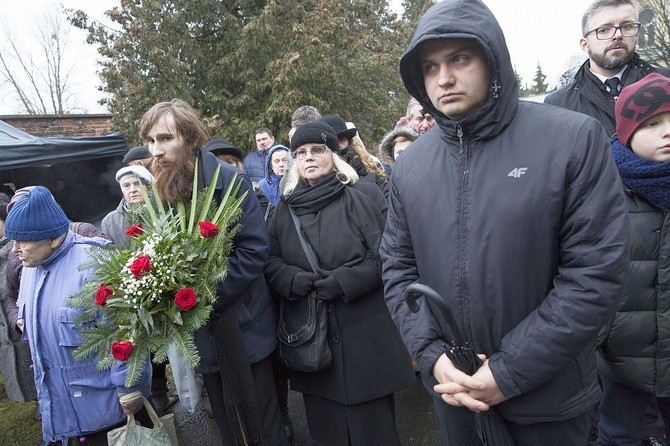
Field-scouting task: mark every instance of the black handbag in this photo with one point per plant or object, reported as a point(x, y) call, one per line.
point(303, 324)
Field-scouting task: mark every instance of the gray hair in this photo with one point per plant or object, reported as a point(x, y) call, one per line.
point(303, 115)
point(345, 173)
point(410, 105)
point(599, 5)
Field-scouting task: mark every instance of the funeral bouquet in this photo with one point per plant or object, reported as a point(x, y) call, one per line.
point(160, 289)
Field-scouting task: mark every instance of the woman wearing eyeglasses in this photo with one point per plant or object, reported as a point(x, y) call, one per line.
point(351, 402)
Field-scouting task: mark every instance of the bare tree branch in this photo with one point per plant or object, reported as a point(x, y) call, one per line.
point(39, 78)
point(653, 42)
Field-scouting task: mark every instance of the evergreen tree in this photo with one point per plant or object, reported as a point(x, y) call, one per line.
point(523, 91)
point(249, 63)
point(539, 86)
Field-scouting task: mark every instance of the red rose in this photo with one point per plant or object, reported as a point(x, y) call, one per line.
point(207, 229)
point(102, 294)
point(140, 265)
point(135, 230)
point(121, 350)
point(185, 299)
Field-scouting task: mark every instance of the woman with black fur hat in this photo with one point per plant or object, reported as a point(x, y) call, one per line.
point(351, 402)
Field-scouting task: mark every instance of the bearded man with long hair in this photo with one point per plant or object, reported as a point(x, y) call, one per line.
point(236, 343)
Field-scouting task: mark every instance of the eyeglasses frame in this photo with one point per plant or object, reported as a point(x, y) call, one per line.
point(325, 148)
point(616, 28)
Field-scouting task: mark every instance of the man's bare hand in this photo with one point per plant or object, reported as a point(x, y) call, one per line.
point(456, 387)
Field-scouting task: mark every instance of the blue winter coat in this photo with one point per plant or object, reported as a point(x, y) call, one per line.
point(75, 397)
point(270, 184)
point(255, 164)
point(244, 285)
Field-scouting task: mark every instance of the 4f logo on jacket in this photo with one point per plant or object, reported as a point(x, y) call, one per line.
point(517, 172)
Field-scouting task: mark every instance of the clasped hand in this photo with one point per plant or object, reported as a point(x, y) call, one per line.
point(326, 286)
point(477, 392)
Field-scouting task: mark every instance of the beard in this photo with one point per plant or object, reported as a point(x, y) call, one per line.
point(174, 179)
point(612, 62)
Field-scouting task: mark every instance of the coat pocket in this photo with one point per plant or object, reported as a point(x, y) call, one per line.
point(95, 401)
point(69, 329)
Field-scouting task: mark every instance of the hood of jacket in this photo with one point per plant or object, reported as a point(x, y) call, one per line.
point(466, 19)
point(270, 176)
point(386, 146)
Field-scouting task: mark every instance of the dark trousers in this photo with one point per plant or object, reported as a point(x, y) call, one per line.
point(281, 382)
point(158, 379)
point(622, 413)
point(371, 423)
point(266, 403)
point(458, 429)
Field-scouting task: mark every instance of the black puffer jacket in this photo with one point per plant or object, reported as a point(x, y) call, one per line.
point(517, 217)
point(636, 351)
point(586, 93)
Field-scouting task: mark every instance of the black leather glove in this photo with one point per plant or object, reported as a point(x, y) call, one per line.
point(328, 288)
point(303, 282)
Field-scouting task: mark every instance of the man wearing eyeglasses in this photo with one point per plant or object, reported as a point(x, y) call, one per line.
point(609, 29)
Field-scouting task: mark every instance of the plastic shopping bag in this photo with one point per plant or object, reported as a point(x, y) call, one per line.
point(187, 382)
point(133, 434)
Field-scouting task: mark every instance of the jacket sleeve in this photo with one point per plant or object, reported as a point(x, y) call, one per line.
point(118, 375)
point(13, 278)
point(251, 247)
point(588, 285)
point(419, 331)
point(363, 276)
point(278, 273)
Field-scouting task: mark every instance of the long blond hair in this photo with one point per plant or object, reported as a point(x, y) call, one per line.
point(368, 160)
point(345, 173)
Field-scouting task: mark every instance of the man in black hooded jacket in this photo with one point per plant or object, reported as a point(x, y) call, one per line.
point(526, 239)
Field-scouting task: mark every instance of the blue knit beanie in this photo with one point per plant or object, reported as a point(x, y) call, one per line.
point(37, 216)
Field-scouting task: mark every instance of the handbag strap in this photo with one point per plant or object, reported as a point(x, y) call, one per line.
point(309, 252)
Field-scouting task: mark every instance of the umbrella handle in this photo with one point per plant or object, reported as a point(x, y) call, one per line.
point(433, 299)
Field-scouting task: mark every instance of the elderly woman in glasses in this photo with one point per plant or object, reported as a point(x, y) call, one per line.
point(351, 402)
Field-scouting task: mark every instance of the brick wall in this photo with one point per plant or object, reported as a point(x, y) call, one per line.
point(64, 125)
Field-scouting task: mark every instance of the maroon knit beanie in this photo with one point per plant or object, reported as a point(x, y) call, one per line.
point(640, 101)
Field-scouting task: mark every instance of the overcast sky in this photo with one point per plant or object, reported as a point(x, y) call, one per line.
point(537, 31)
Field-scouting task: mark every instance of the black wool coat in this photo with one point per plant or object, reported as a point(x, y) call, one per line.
point(586, 93)
point(369, 358)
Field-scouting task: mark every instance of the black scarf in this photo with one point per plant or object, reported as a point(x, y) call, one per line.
point(308, 199)
point(239, 394)
point(646, 178)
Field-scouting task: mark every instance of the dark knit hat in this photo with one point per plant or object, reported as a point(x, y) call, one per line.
point(37, 216)
point(316, 132)
point(136, 153)
point(222, 146)
point(640, 101)
point(340, 126)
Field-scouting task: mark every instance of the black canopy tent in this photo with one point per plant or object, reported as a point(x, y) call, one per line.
point(79, 171)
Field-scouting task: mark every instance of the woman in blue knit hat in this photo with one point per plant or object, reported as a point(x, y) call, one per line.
point(75, 398)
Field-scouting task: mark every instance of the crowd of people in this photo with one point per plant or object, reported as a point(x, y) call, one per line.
point(542, 227)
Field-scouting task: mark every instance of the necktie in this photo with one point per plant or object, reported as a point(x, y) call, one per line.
point(613, 84)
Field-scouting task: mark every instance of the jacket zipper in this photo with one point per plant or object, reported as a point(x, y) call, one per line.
point(464, 147)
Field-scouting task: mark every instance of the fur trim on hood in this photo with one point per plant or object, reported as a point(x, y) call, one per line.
point(386, 146)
